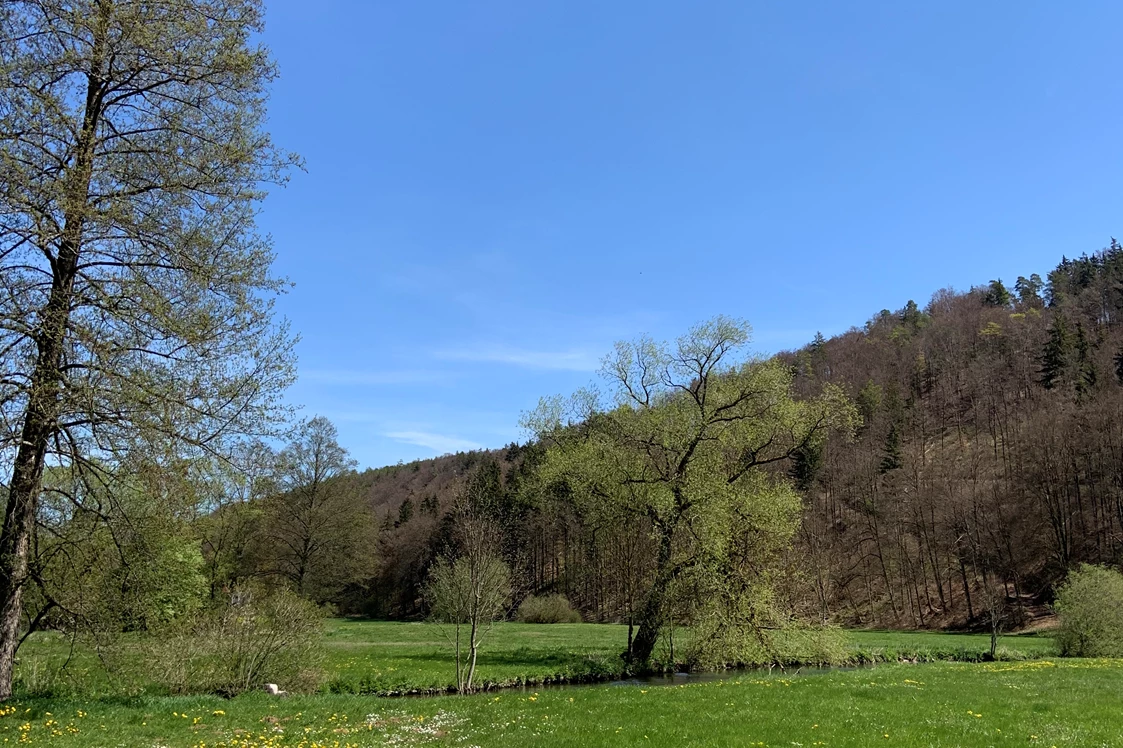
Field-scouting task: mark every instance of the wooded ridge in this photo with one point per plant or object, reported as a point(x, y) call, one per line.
point(989, 460)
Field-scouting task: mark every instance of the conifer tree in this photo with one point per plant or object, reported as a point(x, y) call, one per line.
point(1085, 364)
point(997, 294)
point(1029, 290)
point(1058, 351)
point(891, 459)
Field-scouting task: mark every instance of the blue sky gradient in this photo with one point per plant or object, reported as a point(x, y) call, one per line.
point(496, 191)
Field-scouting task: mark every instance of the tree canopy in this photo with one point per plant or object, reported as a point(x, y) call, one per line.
point(683, 444)
point(135, 291)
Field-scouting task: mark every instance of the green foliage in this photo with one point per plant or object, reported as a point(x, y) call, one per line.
point(997, 294)
point(1057, 352)
point(257, 637)
point(1029, 290)
point(120, 558)
point(547, 609)
point(912, 318)
point(891, 453)
point(1085, 366)
point(806, 463)
point(318, 530)
point(1090, 606)
point(869, 401)
point(405, 512)
point(167, 586)
point(682, 445)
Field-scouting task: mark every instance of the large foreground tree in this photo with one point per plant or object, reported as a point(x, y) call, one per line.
point(135, 291)
point(684, 446)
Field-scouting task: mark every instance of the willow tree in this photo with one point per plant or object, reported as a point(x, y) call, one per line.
point(683, 445)
point(135, 291)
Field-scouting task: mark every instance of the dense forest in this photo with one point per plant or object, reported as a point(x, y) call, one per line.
point(989, 460)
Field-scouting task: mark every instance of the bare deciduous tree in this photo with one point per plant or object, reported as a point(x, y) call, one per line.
point(473, 591)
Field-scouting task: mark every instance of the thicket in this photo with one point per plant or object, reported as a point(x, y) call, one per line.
point(258, 636)
point(1090, 606)
point(547, 609)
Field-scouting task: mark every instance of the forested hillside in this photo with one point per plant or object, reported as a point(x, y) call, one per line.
point(989, 460)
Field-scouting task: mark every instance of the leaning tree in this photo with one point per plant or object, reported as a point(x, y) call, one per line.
point(683, 447)
point(135, 290)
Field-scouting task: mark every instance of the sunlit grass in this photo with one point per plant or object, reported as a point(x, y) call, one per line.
point(379, 657)
point(1021, 701)
point(1035, 703)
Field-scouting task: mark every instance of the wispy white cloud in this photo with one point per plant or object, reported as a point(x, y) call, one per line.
point(439, 443)
point(571, 360)
point(370, 377)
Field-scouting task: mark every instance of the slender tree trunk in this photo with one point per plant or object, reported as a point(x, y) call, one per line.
point(41, 417)
point(473, 648)
point(459, 679)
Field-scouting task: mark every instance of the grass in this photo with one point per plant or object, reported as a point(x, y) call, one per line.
point(391, 658)
point(386, 658)
point(378, 657)
point(1034, 703)
point(935, 645)
point(1023, 702)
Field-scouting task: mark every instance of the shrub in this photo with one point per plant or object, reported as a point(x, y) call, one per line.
point(253, 639)
point(547, 609)
point(1090, 606)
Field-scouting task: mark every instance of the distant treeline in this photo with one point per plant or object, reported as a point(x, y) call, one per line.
point(988, 462)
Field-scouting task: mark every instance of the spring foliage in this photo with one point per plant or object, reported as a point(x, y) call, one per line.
point(1090, 606)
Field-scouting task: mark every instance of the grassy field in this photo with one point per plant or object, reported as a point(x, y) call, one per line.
point(376, 657)
point(1024, 702)
point(381, 657)
point(1033, 703)
point(389, 658)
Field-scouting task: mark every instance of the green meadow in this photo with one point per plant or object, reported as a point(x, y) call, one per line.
point(1028, 698)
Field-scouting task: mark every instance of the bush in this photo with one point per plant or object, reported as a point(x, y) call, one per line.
point(1090, 606)
point(547, 609)
point(256, 638)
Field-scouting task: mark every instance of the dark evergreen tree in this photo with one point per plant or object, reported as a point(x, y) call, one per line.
point(1085, 363)
point(1029, 290)
point(891, 458)
point(911, 316)
point(997, 294)
point(805, 465)
point(405, 512)
point(1057, 354)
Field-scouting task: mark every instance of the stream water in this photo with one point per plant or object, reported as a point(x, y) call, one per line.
point(679, 679)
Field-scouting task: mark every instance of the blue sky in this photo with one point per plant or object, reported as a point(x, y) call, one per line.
point(496, 191)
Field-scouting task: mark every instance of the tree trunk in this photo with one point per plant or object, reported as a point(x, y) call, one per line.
point(41, 417)
point(651, 615)
point(474, 647)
